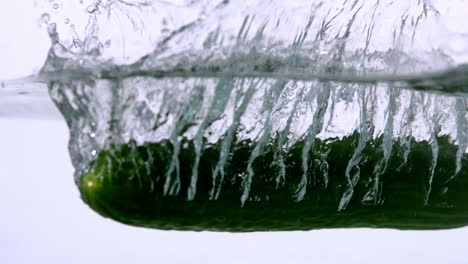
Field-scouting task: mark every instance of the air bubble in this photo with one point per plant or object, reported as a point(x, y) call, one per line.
point(67, 21)
point(56, 6)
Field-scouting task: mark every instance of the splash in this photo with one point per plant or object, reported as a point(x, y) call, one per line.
point(272, 75)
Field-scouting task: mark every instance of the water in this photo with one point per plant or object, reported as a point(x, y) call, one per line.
point(27, 100)
point(270, 73)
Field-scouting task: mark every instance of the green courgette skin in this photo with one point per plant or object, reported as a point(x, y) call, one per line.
point(126, 183)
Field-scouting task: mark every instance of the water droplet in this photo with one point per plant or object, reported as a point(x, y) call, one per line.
point(76, 43)
point(67, 20)
point(92, 8)
point(92, 135)
point(45, 18)
point(52, 28)
point(93, 152)
point(107, 43)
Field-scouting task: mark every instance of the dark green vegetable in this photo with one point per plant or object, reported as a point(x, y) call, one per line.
point(126, 183)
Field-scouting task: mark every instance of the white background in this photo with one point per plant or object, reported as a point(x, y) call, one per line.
point(43, 220)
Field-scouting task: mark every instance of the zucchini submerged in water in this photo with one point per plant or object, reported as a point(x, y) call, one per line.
point(151, 186)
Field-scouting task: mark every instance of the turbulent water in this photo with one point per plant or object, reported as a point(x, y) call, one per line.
point(273, 72)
